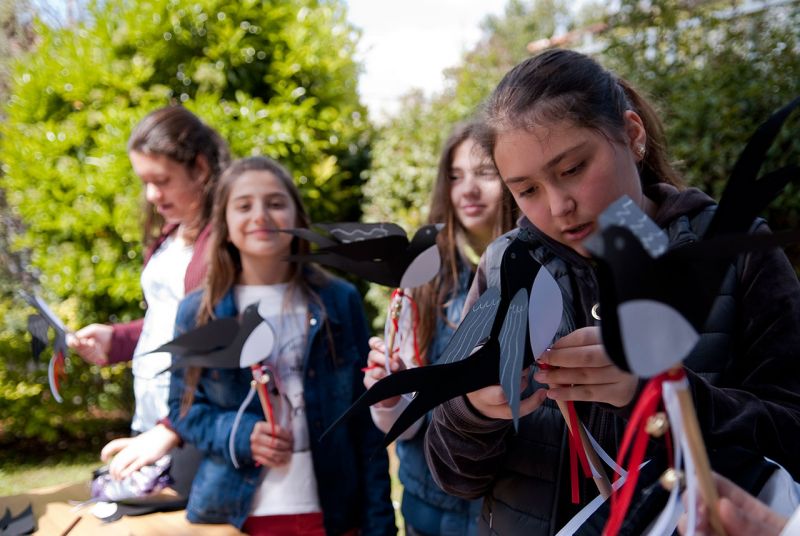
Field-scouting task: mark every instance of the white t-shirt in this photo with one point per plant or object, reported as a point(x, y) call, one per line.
point(292, 488)
point(163, 288)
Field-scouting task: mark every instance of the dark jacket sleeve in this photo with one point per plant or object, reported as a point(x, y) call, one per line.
point(464, 449)
point(124, 337)
point(378, 513)
point(756, 403)
point(203, 416)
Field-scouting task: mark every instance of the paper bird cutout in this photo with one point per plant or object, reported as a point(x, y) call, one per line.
point(378, 252)
point(496, 325)
point(38, 325)
point(22, 523)
point(223, 343)
point(654, 302)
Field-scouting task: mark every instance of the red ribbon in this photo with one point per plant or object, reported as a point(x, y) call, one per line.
point(398, 293)
point(258, 373)
point(635, 439)
point(576, 451)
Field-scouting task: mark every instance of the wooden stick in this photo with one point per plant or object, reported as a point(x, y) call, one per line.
point(71, 526)
point(600, 479)
point(396, 307)
point(694, 438)
point(261, 389)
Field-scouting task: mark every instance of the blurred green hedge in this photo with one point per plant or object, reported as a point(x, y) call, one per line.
point(275, 77)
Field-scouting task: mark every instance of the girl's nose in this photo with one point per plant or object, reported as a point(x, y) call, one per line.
point(561, 202)
point(262, 214)
point(472, 187)
point(152, 193)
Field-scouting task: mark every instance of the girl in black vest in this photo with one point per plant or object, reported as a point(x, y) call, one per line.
point(568, 138)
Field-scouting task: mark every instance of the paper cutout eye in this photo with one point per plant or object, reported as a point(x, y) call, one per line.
point(422, 269)
point(258, 345)
point(545, 308)
point(651, 351)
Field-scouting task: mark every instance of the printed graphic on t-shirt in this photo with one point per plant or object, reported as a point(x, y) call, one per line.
point(286, 363)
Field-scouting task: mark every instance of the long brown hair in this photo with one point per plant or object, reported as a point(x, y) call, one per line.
point(567, 85)
point(433, 297)
point(224, 261)
point(178, 134)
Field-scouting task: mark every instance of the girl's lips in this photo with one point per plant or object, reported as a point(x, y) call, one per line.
point(473, 210)
point(579, 232)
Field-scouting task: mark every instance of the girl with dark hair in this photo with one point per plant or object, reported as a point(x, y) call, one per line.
point(471, 201)
point(179, 159)
point(278, 478)
point(569, 138)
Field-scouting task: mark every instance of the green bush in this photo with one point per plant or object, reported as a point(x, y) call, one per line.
point(274, 77)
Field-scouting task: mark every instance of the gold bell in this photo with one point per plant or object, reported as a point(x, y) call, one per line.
point(657, 424)
point(671, 478)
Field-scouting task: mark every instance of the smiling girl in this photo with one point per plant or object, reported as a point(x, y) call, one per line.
point(475, 207)
point(278, 478)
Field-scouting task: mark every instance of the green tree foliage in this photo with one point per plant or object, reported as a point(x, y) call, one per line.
point(716, 70)
point(275, 77)
point(405, 153)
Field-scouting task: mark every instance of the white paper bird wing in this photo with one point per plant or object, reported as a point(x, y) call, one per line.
point(422, 269)
point(258, 345)
point(652, 351)
point(545, 309)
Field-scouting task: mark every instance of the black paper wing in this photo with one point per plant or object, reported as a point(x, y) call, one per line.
point(204, 339)
point(474, 329)
point(39, 328)
point(512, 340)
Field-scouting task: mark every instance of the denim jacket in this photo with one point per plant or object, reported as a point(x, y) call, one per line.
point(351, 468)
point(413, 471)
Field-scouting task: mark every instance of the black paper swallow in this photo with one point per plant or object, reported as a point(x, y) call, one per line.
point(39, 325)
point(22, 523)
point(490, 346)
point(378, 252)
point(654, 302)
point(223, 343)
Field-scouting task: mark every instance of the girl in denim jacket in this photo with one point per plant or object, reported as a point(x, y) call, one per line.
point(277, 477)
point(475, 207)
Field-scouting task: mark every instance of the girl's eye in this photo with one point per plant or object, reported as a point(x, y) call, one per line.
point(572, 171)
point(527, 192)
point(277, 205)
point(243, 207)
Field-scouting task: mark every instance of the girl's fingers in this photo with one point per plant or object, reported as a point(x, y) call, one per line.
point(588, 356)
point(583, 375)
point(617, 394)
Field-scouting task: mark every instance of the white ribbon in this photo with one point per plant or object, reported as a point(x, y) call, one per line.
point(236, 421)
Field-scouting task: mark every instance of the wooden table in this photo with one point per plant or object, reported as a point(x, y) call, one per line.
point(54, 515)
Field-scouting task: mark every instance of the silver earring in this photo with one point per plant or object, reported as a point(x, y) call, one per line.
point(640, 150)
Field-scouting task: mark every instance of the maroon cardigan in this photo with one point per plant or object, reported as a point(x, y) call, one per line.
point(124, 336)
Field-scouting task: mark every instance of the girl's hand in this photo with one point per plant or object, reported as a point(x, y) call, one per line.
point(132, 453)
point(491, 401)
point(584, 371)
point(92, 343)
point(376, 368)
point(740, 513)
point(271, 450)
